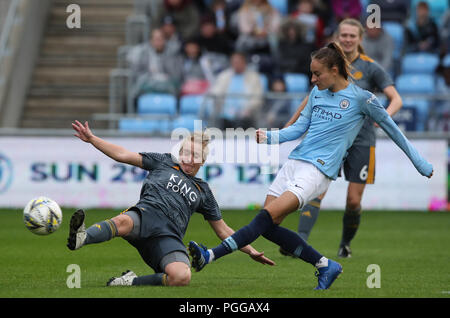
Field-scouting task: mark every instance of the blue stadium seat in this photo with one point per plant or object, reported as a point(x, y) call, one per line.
point(415, 83)
point(419, 63)
point(296, 82)
point(195, 105)
point(188, 122)
point(280, 5)
point(144, 125)
point(397, 32)
point(190, 104)
point(158, 104)
point(191, 109)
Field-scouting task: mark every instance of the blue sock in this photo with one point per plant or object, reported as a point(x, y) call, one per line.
point(246, 235)
point(291, 242)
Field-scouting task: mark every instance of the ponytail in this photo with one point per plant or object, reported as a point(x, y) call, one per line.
point(361, 49)
point(333, 55)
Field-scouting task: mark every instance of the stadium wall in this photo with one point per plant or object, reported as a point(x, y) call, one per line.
point(76, 175)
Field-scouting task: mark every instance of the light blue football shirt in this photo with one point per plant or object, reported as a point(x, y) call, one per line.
point(333, 120)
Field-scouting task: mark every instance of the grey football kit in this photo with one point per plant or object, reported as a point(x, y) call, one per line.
point(167, 201)
point(359, 166)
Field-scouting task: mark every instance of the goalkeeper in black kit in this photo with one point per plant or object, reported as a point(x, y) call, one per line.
point(156, 225)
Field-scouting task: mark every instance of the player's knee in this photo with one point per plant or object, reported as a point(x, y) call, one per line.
point(178, 274)
point(124, 224)
point(352, 206)
point(180, 278)
point(353, 203)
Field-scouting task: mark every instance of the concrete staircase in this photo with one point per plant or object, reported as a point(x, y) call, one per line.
point(71, 77)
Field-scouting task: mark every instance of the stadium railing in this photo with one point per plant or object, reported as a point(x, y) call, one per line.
point(410, 118)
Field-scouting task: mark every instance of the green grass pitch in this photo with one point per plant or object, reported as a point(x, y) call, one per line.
point(411, 249)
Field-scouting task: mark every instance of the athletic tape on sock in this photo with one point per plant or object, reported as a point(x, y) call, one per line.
point(231, 243)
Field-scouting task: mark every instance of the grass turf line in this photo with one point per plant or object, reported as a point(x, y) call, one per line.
point(411, 249)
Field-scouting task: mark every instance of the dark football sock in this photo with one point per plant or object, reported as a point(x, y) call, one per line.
point(101, 232)
point(308, 217)
point(292, 243)
point(350, 224)
point(244, 236)
point(158, 279)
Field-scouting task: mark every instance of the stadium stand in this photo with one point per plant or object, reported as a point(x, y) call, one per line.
point(144, 125)
point(157, 104)
point(397, 32)
point(83, 73)
point(296, 82)
point(420, 63)
point(415, 83)
point(71, 75)
point(437, 8)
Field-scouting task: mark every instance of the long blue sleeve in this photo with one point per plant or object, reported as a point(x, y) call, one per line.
point(292, 132)
point(376, 111)
point(392, 130)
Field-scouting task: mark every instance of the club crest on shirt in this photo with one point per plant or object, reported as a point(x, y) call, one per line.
point(344, 104)
point(357, 75)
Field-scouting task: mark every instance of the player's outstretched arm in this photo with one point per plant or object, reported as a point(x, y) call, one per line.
point(223, 231)
point(376, 111)
point(115, 152)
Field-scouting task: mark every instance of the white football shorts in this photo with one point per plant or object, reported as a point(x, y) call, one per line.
point(302, 179)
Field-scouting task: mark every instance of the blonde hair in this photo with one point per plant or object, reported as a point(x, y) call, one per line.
point(198, 137)
point(355, 23)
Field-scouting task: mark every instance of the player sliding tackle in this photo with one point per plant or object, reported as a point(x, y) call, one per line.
point(334, 114)
point(156, 225)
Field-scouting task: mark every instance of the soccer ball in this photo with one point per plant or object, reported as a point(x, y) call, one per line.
point(42, 216)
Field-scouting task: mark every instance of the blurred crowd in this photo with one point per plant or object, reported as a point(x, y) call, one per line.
point(232, 47)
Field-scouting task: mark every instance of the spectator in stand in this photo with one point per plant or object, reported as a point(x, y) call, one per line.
point(294, 54)
point(445, 34)
point(222, 16)
point(314, 25)
point(173, 42)
point(211, 40)
point(380, 46)
point(258, 24)
point(196, 74)
point(422, 33)
point(216, 47)
point(245, 90)
point(277, 108)
point(393, 10)
point(440, 113)
point(344, 9)
point(184, 13)
point(153, 68)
